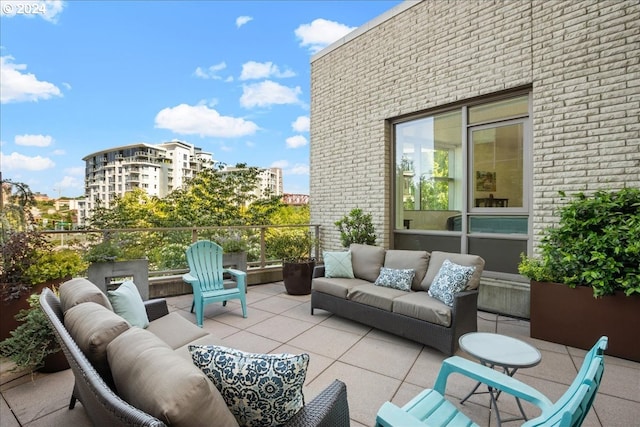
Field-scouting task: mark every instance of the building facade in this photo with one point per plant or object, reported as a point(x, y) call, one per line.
point(157, 169)
point(458, 123)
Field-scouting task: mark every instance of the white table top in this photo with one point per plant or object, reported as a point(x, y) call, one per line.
point(500, 350)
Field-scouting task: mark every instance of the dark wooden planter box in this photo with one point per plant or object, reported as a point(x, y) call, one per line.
point(573, 317)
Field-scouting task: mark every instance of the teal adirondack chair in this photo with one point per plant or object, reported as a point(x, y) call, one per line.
point(206, 277)
point(430, 408)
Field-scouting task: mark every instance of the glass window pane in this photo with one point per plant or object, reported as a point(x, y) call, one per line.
point(429, 171)
point(497, 175)
point(503, 109)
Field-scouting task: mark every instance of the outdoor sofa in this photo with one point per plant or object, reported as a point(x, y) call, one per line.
point(410, 312)
point(129, 376)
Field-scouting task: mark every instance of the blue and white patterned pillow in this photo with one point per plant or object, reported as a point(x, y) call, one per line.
point(259, 389)
point(451, 278)
point(396, 278)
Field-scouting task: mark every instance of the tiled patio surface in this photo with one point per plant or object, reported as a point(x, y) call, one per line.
point(375, 366)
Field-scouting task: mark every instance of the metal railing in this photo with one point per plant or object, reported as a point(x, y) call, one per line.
point(253, 235)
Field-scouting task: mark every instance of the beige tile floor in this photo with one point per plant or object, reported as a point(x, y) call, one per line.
point(375, 366)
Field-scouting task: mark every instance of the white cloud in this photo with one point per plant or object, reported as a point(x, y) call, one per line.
point(16, 86)
point(282, 164)
point(17, 161)
point(33, 140)
point(77, 170)
point(210, 72)
point(301, 124)
point(200, 120)
point(299, 169)
point(241, 20)
point(49, 10)
point(268, 93)
point(59, 152)
point(261, 70)
point(69, 182)
point(296, 141)
point(321, 33)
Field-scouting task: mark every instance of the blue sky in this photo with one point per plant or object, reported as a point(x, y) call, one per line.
point(231, 77)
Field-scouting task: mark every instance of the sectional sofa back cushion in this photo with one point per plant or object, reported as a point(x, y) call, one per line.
point(404, 259)
point(437, 258)
point(152, 377)
point(366, 261)
point(80, 290)
point(93, 327)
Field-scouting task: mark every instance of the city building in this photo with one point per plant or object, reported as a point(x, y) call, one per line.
point(270, 181)
point(458, 124)
point(158, 169)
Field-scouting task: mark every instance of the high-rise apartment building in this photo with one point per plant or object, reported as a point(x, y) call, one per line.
point(157, 169)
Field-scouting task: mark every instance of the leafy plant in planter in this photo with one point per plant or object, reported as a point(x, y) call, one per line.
point(105, 251)
point(586, 283)
point(33, 342)
point(356, 227)
point(596, 243)
point(293, 247)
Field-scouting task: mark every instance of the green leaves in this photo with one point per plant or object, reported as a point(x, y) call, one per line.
point(596, 243)
point(356, 227)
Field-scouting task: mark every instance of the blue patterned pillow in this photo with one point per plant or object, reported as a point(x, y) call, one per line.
point(396, 278)
point(259, 389)
point(338, 264)
point(451, 278)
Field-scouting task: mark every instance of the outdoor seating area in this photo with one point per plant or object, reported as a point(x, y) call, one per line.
point(376, 366)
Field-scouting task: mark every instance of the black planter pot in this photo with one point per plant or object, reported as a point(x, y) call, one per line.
point(297, 277)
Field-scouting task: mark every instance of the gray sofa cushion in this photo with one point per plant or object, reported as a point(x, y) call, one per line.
point(93, 327)
point(337, 287)
point(437, 258)
point(175, 330)
point(151, 376)
point(366, 261)
point(402, 259)
point(79, 290)
point(375, 296)
point(420, 305)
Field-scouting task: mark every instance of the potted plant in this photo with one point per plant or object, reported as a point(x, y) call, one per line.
point(33, 345)
point(585, 281)
point(293, 247)
point(106, 262)
point(356, 227)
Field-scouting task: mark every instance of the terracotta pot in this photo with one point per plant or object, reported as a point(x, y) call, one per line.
point(297, 277)
point(573, 317)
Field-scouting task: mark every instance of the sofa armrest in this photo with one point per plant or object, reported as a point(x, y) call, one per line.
point(328, 409)
point(465, 301)
point(318, 271)
point(156, 308)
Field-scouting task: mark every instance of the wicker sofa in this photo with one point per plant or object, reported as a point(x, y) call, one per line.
point(158, 384)
point(413, 313)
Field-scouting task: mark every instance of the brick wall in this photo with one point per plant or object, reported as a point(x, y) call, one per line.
point(580, 58)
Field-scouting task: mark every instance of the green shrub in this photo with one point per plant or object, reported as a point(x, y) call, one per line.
point(55, 264)
point(596, 243)
point(356, 227)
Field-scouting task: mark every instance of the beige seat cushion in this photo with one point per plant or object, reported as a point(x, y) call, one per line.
point(205, 340)
point(437, 258)
point(420, 305)
point(175, 330)
point(93, 327)
point(402, 259)
point(337, 287)
point(79, 290)
point(151, 376)
point(366, 261)
point(375, 296)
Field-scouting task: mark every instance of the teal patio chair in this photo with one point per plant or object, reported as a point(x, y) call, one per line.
point(206, 277)
point(430, 408)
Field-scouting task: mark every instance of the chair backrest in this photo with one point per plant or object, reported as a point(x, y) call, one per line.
point(205, 262)
point(572, 408)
